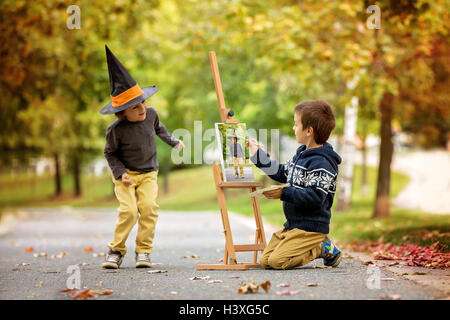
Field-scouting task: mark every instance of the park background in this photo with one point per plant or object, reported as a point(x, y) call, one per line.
point(271, 55)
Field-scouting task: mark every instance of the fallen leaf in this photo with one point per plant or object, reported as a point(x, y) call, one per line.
point(248, 287)
point(390, 297)
point(214, 281)
point(68, 290)
point(88, 249)
point(157, 271)
point(234, 277)
point(83, 294)
point(284, 285)
point(266, 286)
point(61, 255)
point(194, 256)
point(199, 278)
point(312, 284)
point(88, 293)
point(286, 292)
point(28, 249)
point(106, 292)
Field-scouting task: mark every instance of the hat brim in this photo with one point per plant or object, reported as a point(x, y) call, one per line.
point(148, 92)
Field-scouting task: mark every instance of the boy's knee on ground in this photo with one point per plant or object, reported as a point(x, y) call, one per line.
point(277, 262)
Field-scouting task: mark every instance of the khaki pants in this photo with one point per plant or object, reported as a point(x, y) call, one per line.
point(140, 198)
point(291, 248)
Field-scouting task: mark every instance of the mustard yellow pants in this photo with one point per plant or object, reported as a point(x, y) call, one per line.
point(238, 162)
point(137, 203)
point(291, 248)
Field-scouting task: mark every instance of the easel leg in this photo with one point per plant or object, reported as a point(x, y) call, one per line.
point(260, 236)
point(229, 246)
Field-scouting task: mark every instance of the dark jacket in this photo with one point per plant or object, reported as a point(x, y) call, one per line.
point(132, 145)
point(236, 150)
point(312, 177)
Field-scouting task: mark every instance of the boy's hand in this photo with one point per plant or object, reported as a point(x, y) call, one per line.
point(180, 146)
point(273, 194)
point(126, 180)
point(253, 145)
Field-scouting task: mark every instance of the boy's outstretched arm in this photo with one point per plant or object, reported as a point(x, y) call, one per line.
point(261, 159)
point(164, 135)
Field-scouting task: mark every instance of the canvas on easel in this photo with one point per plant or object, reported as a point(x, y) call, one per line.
point(234, 153)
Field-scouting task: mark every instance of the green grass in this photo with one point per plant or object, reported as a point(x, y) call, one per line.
point(193, 189)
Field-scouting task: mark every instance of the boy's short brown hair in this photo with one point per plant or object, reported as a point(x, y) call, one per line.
point(120, 115)
point(319, 115)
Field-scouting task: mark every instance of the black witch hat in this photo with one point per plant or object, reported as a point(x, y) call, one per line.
point(125, 92)
point(233, 135)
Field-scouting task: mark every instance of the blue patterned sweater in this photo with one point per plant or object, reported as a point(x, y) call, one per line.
point(312, 176)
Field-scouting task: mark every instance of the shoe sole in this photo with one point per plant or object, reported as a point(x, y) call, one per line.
point(143, 265)
point(110, 266)
point(336, 261)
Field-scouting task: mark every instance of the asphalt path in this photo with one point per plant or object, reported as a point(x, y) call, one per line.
point(62, 239)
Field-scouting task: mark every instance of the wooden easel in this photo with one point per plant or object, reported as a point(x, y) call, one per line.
point(229, 260)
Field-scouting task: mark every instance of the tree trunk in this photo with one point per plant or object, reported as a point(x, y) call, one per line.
point(58, 186)
point(76, 175)
point(381, 207)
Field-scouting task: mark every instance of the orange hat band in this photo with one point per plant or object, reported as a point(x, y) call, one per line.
point(126, 96)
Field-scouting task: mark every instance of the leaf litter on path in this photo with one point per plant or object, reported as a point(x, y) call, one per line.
point(87, 293)
point(252, 286)
point(286, 292)
point(157, 271)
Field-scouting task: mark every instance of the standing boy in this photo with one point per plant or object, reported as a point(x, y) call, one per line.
point(130, 150)
point(312, 174)
point(238, 155)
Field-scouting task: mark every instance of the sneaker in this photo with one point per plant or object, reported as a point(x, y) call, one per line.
point(113, 260)
point(143, 260)
point(330, 254)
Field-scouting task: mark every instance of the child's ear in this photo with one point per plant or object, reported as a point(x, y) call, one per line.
point(310, 131)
